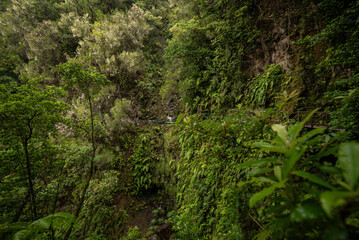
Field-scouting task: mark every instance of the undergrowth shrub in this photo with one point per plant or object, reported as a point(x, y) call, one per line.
point(133, 233)
point(52, 226)
point(142, 166)
point(166, 165)
point(301, 194)
point(210, 203)
point(239, 177)
point(99, 213)
point(343, 104)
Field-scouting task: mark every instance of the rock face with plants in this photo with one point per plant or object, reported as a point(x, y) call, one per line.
point(265, 97)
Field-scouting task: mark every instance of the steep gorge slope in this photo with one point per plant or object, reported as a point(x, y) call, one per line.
point(235, 165)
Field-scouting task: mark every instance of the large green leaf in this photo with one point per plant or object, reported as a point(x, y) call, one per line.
point(309, 135)
point(40, 225)
point(349, 162)
point(20, 235)
point(289, 163)
point(263, 235)
point(321, 154)
point(256, 162)
point(6, 230)
point(262, 194)
point(281, 131)
point(334, 199)
point(179, 118)
point(257, 171)
point(313, 179)
point(306, 211)
point(25, 230)
point(278, 172)
point(330, 170)
point(266, 180)
point(335, 232)
point(296, 128)
point(11, 227)
point(269, 147)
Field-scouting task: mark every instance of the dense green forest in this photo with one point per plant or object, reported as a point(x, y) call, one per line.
point(178, 119)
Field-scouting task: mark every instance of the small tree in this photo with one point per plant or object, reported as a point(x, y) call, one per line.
point(88, 83)
point(29, 113)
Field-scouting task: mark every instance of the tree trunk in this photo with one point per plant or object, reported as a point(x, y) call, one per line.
point(29, 176)
point(92, 139)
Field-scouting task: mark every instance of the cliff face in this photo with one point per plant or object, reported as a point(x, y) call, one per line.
point(221, 48)
point(281, 24)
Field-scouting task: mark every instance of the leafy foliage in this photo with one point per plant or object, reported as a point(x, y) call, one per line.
point(142, 172)
point(230, 168)
point(50, 225)
point(99, 213)
point(210, 197)
point(28, 108)
point(211, 41)
point(297, 202)
point(89, 82)
point(114, 50)
point(262, 88)
point(28, 117)
point(132, 234)
point(286, 186)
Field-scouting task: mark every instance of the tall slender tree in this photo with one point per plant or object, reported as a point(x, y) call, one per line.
point(29, 114)
point(89, 84)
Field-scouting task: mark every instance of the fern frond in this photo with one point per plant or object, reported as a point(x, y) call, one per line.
point(25, 230)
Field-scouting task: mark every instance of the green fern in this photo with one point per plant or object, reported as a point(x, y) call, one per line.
point(25, 230)
point(7, 230)
point(261, 89)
